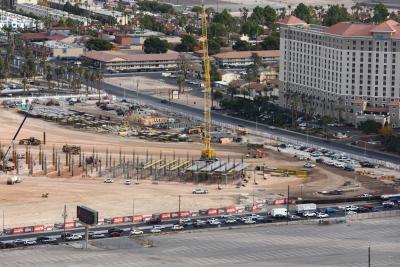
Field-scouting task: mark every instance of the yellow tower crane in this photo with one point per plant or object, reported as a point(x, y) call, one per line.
point(207, 153)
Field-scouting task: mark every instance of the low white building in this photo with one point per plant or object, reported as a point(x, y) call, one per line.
point(16, 21)
point(242, 59)
point(56, 14)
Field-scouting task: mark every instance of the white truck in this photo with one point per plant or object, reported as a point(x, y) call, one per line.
point(301, 208)
point(13, 179)
point(279, 212)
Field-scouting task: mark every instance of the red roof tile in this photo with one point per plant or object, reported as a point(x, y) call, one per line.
point(384, 27)
point(291, 20)
point(358, 29)
point(42, 36)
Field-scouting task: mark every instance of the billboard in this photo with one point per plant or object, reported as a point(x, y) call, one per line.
point(87, 215)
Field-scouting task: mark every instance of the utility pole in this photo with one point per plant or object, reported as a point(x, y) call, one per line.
point(65, 215)
point(3, 221)
point(133, 209)
point(369, 256)
point(179, 206)
point(287, 204)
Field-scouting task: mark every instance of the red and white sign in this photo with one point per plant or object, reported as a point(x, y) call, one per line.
point(185, 214)
point(165, 215)
point(239, 209)
point(48, 227)
point(128, 218)
point(38, 228)
point(174, 215)
point(230, 210)
point(117, 220)
point(194, 214)
point(138, 218)
point(28, 229)
point(69, 225)
point(18, 230)
point(221, 210)
point(212, 211)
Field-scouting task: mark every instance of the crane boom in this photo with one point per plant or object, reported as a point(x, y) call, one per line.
point(207, 152)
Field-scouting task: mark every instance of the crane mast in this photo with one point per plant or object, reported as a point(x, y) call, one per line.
point(207, 152)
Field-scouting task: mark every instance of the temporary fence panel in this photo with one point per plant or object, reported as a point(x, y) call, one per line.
point(212, 211)
point(128, 219)
point(38, 228)
point(184, 214)
point(18, 230)
point(69, 225)
point(165, 215)
point(138, 218)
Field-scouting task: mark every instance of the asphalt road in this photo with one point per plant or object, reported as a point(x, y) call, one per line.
point(223, 118)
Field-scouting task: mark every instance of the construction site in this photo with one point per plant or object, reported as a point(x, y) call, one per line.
point(120, 156)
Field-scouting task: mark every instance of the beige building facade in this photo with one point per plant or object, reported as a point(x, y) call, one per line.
point(335, 69)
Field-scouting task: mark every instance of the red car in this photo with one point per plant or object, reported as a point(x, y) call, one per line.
point(115, 234)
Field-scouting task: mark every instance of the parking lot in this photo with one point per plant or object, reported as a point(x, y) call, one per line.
point(284, 246)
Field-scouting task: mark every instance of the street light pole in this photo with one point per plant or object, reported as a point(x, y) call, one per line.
point(179, 206)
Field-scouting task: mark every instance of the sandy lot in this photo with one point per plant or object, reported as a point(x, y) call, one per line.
point(23, 203)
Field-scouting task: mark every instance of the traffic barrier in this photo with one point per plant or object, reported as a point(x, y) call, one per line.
point(212, 211)
point(138, 218)
point(128, 219)
point(38, 228)
point(165, 215)
point(117, 220)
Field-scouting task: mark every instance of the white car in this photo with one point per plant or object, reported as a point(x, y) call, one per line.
point(230, 220)
point(108, 180)
point(184, 220)
point(158, 226)
point(155, 231)
point(352, 208)
point(309, 165)
point(136, 232)
point(365, 195)
point(73, 237)
point(200, 191)
point(322, 215)
point(176, 227)
point(329, 162)
point(97, 235)
point(128, 182)
point(214, 222)
point(339, 164)
point(351, 212)
point(309, 214)
point(249, 221)
point(30, 242)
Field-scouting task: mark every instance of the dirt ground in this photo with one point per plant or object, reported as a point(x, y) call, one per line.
point(23, 203)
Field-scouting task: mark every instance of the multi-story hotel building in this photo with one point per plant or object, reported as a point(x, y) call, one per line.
point(349, 70)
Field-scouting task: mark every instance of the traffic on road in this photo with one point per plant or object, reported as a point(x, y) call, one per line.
point(308, 211)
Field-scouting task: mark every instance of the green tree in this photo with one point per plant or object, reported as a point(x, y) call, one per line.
point(218, 95)
point(216, 30)
point(270, 16)
point(149, 22)
point(271, 42)
point(370, 127)
point(214, 73)
point(98, 44)
point(381, 13)
point(336, 14)
point(226, 19)
point(2, 68)
point(250, 28)
point(180, 81)
point(241, 46)
point(154, 45)
point(303, 12)
point(258, 15)
point(214, 46)
point(188, 43)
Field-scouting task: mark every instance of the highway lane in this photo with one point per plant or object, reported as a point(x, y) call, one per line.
point(223, 118)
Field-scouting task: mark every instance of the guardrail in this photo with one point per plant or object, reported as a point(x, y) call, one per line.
point(373, 215)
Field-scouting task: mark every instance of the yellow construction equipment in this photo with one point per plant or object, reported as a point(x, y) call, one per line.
point(207, 152)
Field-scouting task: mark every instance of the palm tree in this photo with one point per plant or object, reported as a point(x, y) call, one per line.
point(49, 76)
point(86, 75)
